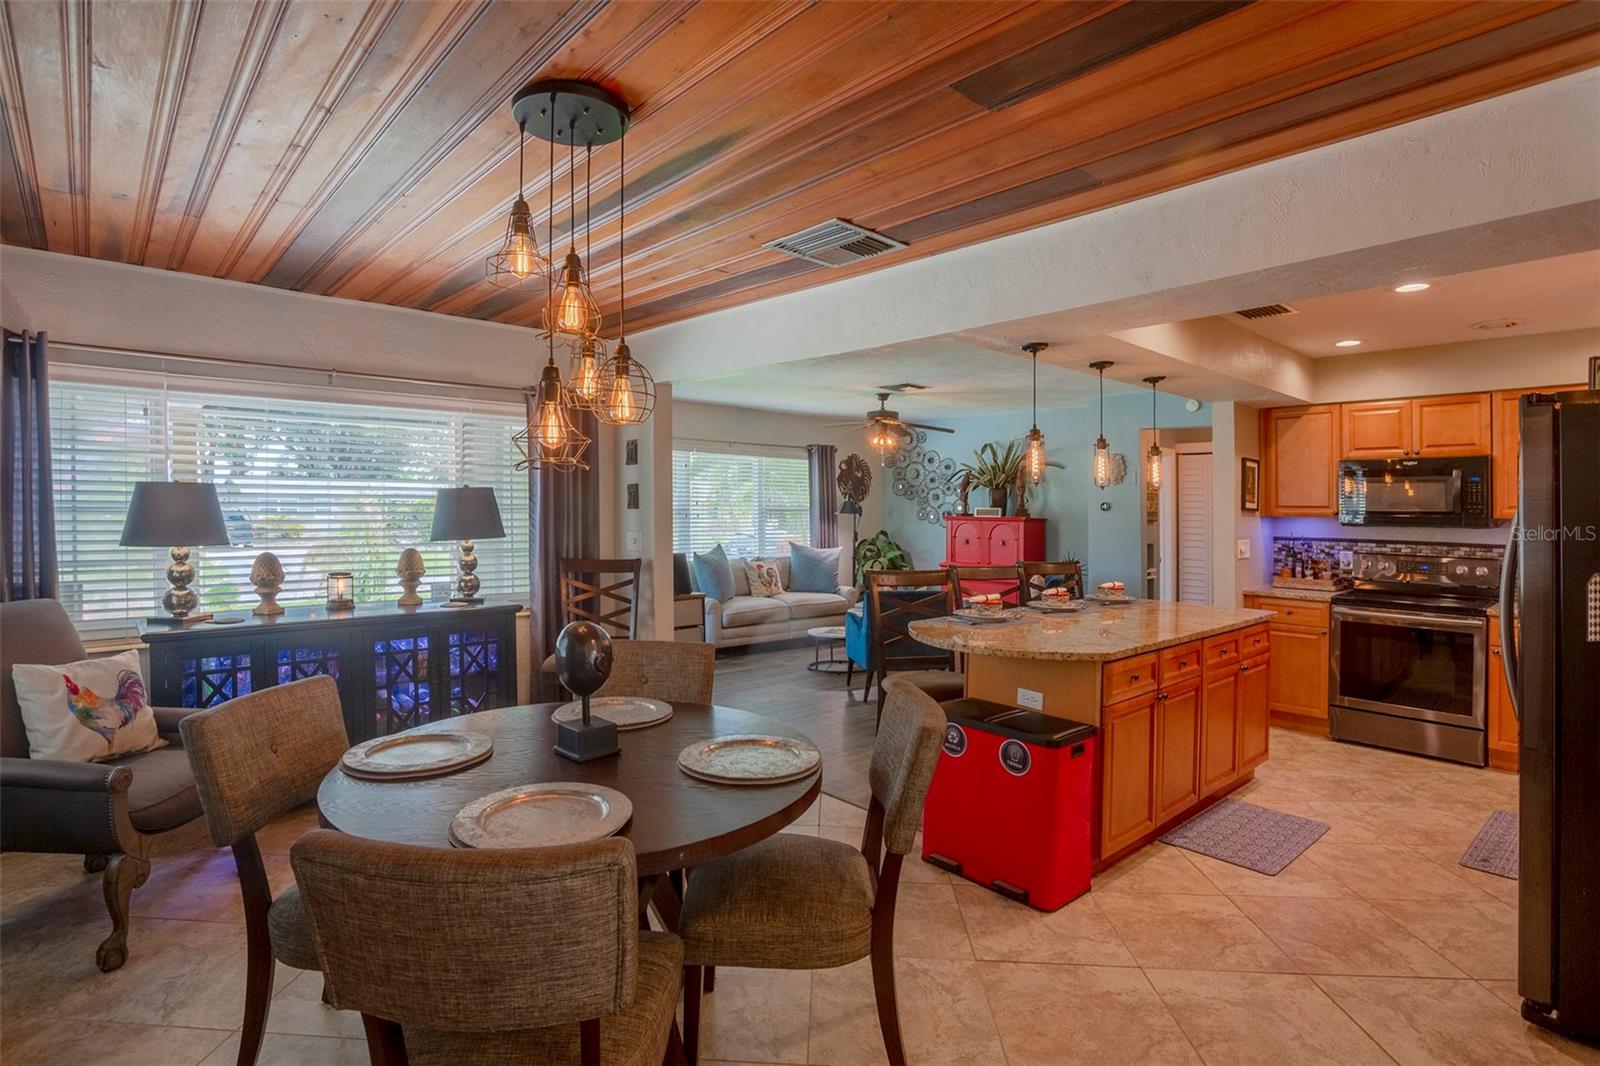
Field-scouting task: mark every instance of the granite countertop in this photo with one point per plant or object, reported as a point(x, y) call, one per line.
point(1095, 633)
point(1316, 595)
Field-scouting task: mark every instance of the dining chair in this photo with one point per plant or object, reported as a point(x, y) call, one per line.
point(677, 671)
point(1006, 580)
point(795, 902)
point(586, 596)
point(895, 599)
point(462, 956)
point(254, 758)
point(1037, 576)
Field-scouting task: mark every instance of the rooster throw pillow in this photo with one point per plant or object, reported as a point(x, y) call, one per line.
point(88, 711)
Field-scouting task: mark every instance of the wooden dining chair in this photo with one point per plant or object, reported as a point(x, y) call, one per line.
point(1037, 576)
point(795, 902)
point(895, 599)
point(254, 758)
point(1006, 580)
point(466, 956)
point(587, 595)
point(677, 671)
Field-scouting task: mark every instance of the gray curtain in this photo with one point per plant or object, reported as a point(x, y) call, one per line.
point(564, 523)
point(27, 507)
point(824, 496)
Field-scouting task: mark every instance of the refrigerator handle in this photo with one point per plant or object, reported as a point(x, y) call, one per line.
point(1508, 617)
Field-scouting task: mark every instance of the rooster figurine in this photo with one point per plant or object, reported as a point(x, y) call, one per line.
point(106, 716)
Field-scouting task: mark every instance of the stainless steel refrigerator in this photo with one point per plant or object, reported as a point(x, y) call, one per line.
point(1551, 589)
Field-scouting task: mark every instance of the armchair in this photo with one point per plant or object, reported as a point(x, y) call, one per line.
point(118, 814)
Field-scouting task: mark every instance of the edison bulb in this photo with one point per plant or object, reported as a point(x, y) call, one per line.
point(620, 407)
point(572, 310)
point(1153, 464)
point(521, 257)
point(1035, 458)
point(586, 374)
point(1102, 463)
point(552, 430)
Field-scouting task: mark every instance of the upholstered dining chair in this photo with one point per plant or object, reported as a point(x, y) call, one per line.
point(254, 758)
point(895, 599)
point(1037, 576)
point(677, 671)
point(496, 956)
point(117, 814)
point(1006, 580)
point(795, 902)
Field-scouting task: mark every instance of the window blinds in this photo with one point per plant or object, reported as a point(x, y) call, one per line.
point(323, 485)
point(753, 505)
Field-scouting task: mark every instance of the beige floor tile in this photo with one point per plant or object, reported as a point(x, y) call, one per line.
point(1449, 1023)
point(1479, 938)
point(278, 1049)
point(1302, 877)
point(1100, 1015)
point(203, 886)
point(760, 1015)
point(1506, 991)
point(1245, 1019)
point(811, 815)
point(281, 833)
point(27, 876)
point(1192, 933)
point(49, 1040)
point(944, 1015)
point(836, 812)
point(1344, 936)
point(1416, 823)
point(1003, 930)
point(928, 923)
point(1158, 868)
point(1391, 871)
point(800, 830)
point(298, 1009)
point(1503, 889)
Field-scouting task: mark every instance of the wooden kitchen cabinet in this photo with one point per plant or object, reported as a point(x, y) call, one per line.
point(1452, 425)
point(1253, 716)
point(1376, 430)
point(1503, 737)
point(1128, 743)
point(1297, 684)
point(1219, 728)
point(1177, 748)
point(1506, 448)
point(1300, 451)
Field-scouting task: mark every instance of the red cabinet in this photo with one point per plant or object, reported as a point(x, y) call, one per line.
point(971, 541)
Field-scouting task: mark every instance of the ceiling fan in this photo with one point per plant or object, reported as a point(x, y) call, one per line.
point(885, 428)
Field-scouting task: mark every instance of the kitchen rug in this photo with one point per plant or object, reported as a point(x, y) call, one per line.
point(1246, 835)
point(1494, 849)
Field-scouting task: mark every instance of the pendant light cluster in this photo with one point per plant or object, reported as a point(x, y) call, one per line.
point(1033, 460)
point(616, 390)
point(1102, 450)
point(1152, 459)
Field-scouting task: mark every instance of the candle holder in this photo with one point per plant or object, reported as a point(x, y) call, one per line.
point(341, 590)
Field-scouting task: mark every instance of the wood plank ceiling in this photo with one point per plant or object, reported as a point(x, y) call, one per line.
point(366, 149)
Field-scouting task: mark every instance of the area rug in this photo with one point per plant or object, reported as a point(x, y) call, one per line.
point(1494, 849)
point(1246, 835)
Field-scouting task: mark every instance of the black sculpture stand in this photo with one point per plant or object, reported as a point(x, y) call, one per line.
point(583, 662)
point(584, 741)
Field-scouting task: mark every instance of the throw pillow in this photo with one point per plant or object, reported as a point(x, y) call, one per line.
point(87, 711)
point(713, 575)
point(813, 569)
point(764, 577)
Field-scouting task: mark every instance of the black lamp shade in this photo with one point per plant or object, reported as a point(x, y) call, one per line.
point(166, 514)
point(466, 514)
point(850, 507)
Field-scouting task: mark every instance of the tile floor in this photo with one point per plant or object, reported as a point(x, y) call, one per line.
point(1373, 947)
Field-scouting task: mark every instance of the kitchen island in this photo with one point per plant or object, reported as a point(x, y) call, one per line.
point(1178, 690)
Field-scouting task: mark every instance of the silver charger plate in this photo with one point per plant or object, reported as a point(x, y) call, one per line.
point(750, 759)
point(980, 618)
point(539, 815)
point(1112, 601)
point(625, 712)
point(411, 755)
point(1058, 605)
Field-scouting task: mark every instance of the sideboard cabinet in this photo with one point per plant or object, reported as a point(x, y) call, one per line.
point(396, 667)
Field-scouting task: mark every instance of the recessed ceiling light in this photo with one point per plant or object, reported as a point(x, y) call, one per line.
point(1497, 323)
point(1345, 344)
point(1412, 286)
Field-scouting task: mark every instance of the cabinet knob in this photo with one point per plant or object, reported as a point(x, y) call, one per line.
point(1133, 677)
point(1183, 662)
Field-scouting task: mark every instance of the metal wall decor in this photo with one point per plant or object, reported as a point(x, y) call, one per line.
point(855, 478)
point(921, 475)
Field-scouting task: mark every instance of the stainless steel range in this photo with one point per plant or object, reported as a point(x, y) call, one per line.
point(1410, 654)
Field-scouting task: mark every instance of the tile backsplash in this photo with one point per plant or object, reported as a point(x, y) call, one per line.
point(1331, 556)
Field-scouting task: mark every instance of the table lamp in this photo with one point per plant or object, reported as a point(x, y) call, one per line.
point(466, 515)
point(175, 515)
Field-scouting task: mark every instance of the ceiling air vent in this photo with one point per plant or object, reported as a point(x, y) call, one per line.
point(835, 243)
point(1267, 311)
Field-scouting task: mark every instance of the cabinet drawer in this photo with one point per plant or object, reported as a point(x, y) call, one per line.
point(1309, 613)
point(1254, 641)
point(1221, 651)
point(1180, 663)
point(1133, 676)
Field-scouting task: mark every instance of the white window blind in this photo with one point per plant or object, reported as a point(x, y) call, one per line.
point(753, 505)
point(323, 485)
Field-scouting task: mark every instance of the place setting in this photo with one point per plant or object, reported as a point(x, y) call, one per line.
point(412, 756)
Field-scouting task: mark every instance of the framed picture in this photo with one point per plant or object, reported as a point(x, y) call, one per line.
point(630, 452)
point(1250, 485)
point(633, 496)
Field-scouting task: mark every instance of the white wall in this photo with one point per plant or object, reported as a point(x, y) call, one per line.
point(1534, 361)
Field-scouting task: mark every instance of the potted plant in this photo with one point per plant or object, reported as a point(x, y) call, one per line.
point(998, 471)
point(879, 552)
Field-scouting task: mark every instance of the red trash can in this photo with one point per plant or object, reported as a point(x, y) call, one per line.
point(1011, 802)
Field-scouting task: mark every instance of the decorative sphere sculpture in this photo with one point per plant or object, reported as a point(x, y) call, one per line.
point(583, 658)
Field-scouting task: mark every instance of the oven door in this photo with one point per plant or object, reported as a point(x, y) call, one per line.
point(1430, 667)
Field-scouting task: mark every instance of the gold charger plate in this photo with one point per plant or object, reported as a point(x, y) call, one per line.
point(407, 756)
point(625, 712)
point(540, 815)
point(750, 759)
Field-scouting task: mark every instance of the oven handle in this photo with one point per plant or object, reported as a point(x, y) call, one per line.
point(1409, 620)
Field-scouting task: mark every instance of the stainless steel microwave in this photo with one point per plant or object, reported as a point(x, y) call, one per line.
point(1415, 492)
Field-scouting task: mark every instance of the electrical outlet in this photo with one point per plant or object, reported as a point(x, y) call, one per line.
point(635, 540)
point(1244, 549)
point(1027, 697)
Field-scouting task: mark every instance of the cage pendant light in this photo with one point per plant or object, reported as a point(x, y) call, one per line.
point(519, 261)
point(588, 352)
point(571, 309)
point(1102, 450)
point(627, 391)
point(1152, 459)
point(550, 441)
point(1033, 459)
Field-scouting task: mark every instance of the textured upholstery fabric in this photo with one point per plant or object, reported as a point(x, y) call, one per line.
point(942, 685)
point(811, 604)
point(31, 631)
point(468, 940)
point(753, 610)
point(636, 1036)
point(675, 671)
point(856, 646)
point(259, 755)
point(163, 794)
point(790, 902)
point(903, 760)
point(813, 569)
point(290, 929)
point(712, 574)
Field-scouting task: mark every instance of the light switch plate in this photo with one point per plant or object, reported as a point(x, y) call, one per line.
point(1027, 697)
point(635, 540)
point(1244, 549)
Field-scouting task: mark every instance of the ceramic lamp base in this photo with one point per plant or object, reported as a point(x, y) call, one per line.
point(582, 743)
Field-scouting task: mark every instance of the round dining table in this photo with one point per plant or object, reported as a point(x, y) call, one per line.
point(678, 821)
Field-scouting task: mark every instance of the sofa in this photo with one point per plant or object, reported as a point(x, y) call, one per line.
point(746, 619)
